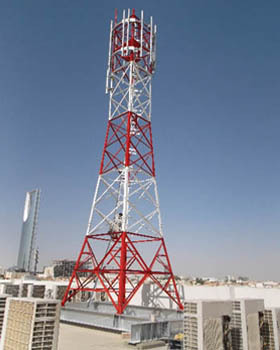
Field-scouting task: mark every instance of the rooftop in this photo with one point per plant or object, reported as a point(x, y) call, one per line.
point(75, 337)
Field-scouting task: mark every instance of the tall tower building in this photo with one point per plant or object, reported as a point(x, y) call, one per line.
point(124, 244)
point(26, 254)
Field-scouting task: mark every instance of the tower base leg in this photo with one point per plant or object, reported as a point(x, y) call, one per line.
point(124, 268)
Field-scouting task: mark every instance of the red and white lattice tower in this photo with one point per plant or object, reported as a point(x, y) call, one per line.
point(124, 245)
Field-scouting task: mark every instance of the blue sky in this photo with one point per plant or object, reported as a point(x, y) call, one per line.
point(215, 127)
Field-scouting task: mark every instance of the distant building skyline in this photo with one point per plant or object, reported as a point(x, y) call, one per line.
point(26, 254)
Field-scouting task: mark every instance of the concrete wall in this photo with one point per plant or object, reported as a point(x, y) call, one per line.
point(271, 296)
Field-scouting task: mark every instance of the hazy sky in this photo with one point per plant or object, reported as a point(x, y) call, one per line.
point(215, 119)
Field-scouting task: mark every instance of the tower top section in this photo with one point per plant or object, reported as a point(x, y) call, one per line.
point(132, 39)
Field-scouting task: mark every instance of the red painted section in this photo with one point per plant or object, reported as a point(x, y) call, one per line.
point(152, 149)
point(116, 16)
point(104, 149)
point(124, 261)
point(119, 142)
point(122, 275)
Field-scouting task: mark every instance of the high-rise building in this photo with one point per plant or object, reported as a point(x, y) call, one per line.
point(26, 253)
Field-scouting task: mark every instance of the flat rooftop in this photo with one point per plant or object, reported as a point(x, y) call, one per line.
point(81, 338)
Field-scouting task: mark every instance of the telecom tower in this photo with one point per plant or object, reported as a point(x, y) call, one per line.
point(124, 245)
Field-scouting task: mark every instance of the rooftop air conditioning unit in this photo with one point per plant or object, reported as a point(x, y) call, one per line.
point(206, 325)
point(269, 321)
point(30, 323)
point(245, 329)
point(3, 301)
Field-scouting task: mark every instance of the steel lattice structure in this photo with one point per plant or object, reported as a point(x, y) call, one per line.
point(124, 245)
